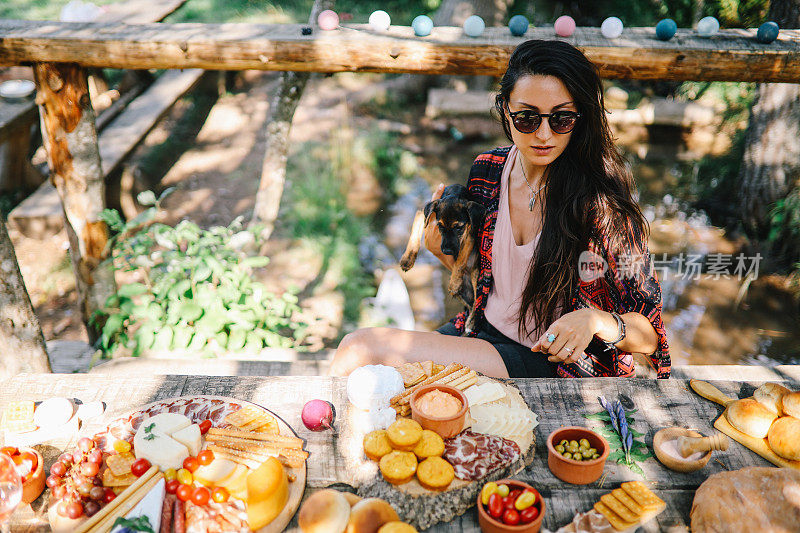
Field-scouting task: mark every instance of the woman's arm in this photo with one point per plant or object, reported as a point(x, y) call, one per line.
point(640, 335)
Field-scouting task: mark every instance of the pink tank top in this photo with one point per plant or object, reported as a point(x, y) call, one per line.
point(509, 267)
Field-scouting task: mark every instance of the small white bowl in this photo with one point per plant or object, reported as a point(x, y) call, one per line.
point(17, 88)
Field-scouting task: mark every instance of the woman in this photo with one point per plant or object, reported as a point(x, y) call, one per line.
point(560, 210)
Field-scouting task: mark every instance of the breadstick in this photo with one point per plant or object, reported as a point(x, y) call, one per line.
point(222, 453)
point(467, 384)
point(116, 502)
point(108, 522)
point(276, 440)
point(257, 447)
point(293, 461)
point(463, 379)
point(403, 397)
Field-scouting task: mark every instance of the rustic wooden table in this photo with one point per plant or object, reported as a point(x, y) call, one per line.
point(338, 459)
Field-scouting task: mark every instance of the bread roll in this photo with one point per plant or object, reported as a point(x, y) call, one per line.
point(769, 395)
point(368, 515)
point(326, 511)
point(784, 438)
point(397, 527)
point(352, 499)
point(791, 404)
point(750, 417)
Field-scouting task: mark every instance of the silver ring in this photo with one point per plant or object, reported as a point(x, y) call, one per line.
point(569, 350)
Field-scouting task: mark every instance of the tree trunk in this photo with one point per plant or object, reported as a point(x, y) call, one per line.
point(70, 137)
point(23, 348)
point(279, 123)
point(771, 164)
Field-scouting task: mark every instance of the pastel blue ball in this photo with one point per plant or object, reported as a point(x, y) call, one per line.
point(518, 25)
point(665, 30)
point(707, 26)
point(767, 32)
point(474, 26)
point(423, 25)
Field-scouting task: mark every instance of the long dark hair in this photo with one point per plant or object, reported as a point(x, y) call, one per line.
point(588, 189)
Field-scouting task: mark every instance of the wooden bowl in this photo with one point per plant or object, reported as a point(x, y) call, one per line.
point(446, 427)
point(34, 485)
point(492, 525)
point(570, 470)
point(673, 463)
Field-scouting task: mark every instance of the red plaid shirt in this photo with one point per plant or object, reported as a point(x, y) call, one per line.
point(611, 292)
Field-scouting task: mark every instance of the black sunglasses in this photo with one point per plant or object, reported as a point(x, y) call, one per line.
point(527, 121)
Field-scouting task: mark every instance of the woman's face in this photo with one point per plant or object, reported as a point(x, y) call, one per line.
point(540, 94)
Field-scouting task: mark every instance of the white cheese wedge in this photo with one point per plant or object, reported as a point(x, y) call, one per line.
point(154, 442)
point(189, 437)
point(481, 394)
point(215, 473)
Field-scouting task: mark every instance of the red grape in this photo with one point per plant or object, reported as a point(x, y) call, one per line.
point(96, 456)
point(58, 469)
point(84, 488)
point(97, 481)
point(61, 508)
point(97, 493)
point(85, 444)
point(90, 469)
point(65, 458)
point(53, 481)
point(74, 510)
point(91, 508)
point(59, 492)
point(77, 456)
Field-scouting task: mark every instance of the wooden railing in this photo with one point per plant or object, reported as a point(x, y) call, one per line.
point(732, 55)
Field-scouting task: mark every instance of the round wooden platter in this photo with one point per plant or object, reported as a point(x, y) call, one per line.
point(296, 487)
point(422, 507)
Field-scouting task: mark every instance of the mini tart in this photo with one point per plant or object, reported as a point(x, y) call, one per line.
point(430, 445)
point(404, 434)
point(434, 473)
point(398, 467)
point(397, 527)
point(376, 444)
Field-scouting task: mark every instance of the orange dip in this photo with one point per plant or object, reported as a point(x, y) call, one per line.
point(438, 404)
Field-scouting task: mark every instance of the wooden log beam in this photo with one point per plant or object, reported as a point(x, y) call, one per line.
point(70, 137)
point(732, 55)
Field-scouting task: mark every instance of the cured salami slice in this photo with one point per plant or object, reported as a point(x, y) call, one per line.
point(474, 455)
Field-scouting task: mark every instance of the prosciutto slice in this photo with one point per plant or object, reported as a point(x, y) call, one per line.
point(474, 455)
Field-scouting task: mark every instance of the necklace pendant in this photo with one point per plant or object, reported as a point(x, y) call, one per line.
point(531, 202)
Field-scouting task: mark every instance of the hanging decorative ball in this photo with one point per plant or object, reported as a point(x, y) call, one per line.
point(380, 20)
point(423, 25)
point(518, 25)
point(474, 26)
point(328, 20)
point(665, 29)
point(767, 32)
point(707, 26)
point(611, 28)
point(306, 30)
point(564, 26)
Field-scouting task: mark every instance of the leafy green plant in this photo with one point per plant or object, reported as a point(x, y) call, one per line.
point(195, 290)
point(618, 430)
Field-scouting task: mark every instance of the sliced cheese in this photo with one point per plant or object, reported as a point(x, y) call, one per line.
point(153, 440)
point(236, 482)
point(481, 394)
point(189, 437)
point(214, 473)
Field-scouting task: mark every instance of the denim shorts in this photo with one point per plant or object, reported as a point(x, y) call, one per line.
point(520, 361)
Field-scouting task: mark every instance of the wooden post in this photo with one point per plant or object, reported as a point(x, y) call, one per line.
point(70, 137)
point(23, 347)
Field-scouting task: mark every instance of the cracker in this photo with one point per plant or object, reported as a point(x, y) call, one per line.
point(427, 367)
point(411, 374)
point(18, 417)
point(243, 416)
point(110, 480)
point(616, 521)
point(120, 464)
point(437, 368)
point(643, 496)
point(261, 420)
point(629, 502)
point(270, 428)
point(615, 505)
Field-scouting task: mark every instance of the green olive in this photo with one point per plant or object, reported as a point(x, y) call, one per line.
point(584, 443)
point(567, 455)
point(573, 448)
point(596, 456)
point(577, 456)
point(573, 443)
point(559, 448)
point(592, 451)
point(564, 442)
point(583, 449)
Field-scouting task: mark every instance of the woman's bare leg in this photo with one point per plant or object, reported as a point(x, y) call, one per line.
point(394, 347)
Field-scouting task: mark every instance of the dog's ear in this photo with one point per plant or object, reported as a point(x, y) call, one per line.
point(477, 214)
point(431, 207)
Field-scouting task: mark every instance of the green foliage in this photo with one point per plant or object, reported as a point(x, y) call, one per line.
point(196, 291)
point(638, 451)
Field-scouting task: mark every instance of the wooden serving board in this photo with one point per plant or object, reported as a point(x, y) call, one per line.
point(422, 508)
point(760, 446)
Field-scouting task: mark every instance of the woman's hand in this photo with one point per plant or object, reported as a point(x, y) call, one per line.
point(573, 333)
point(432, 237)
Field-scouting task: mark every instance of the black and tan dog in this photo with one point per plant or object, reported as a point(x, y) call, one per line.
point(459, 221)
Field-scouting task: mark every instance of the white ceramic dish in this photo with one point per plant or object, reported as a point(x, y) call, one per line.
point(17, 88)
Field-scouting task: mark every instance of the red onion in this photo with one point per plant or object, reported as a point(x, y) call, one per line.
point(318, 415)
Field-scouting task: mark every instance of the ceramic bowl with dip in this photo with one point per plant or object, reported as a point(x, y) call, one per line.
point(493, 525)
point(572, 471)
point(439, 408)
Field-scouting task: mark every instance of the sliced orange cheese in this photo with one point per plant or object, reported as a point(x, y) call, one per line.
point(236, 482)
point(267, 493)
point(215, 472)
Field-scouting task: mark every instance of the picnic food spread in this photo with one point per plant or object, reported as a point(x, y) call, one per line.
point(434, 441)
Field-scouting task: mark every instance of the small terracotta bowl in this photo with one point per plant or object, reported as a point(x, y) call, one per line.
point(493, 525)
point(445, 427)
point(34, 485)
point(570, 470)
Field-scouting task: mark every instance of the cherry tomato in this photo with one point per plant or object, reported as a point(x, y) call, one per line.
point(219, 495)
point(200, 496)
point(172, 486)
point(140, 466)
point(109, 496)
point(495, 505)
point(184, 476)
point(205, 457)
point(184, 492)
point(122, 446)
point(191, 464)
point(515, 494)
point(9, 450)
point(487, 490)
point(511, 517)
point(502, 490)
point(508, 502)
point(170, 474)
point(528, 515)
point(525, 500)
point(205, 425)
